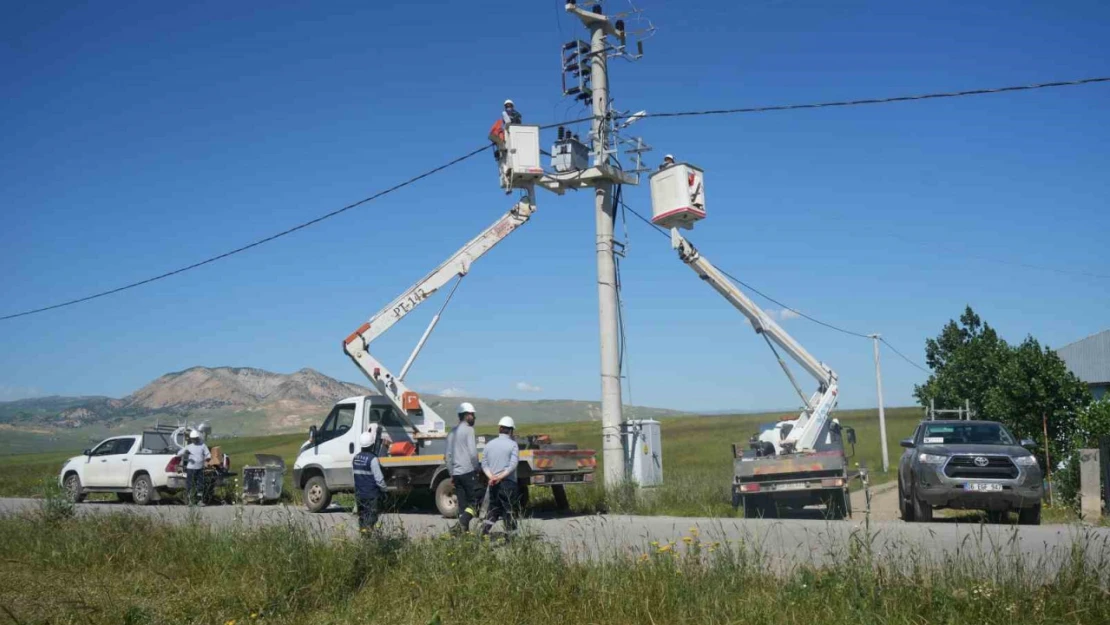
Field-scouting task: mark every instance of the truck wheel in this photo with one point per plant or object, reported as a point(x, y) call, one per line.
point(922, 511)
point(837, 506)
point(447, 502)
point(317, 497)
point(759, 507)
point(997, 517)
point(904, 505)
point(142, 491)
point(1030, 516)
point(521, 496)
point(72, 486)
point(737, 500)
point(560, 493)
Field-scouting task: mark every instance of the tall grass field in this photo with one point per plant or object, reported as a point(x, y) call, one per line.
point(124, 569)
point(697, 461)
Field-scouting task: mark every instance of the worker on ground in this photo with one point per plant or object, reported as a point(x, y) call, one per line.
point(369, 481)
point(462, 463)
point(668, 161)
point(499, 464)
point(195, 454)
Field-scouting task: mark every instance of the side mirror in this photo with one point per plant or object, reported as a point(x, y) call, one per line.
point(1028, 443)
point(312, 434)
point(851, 436)
point(907, 443)
point(87, 452)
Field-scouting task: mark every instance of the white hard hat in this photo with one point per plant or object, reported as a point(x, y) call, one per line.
point(508, 102)
point(194, 434)
point(669, 156)
point(466, 407)
point(366, 439)
point(506, 422)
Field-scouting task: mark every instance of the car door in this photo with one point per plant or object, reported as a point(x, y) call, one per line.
point(97, 468)
point(335, 446)
point(118, 468)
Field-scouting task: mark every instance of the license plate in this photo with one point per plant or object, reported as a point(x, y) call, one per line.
point(982, 488)
point(562, 479)
point(794, 486)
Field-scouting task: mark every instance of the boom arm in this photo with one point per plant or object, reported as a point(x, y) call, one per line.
point(357, 345)
point(803, 437)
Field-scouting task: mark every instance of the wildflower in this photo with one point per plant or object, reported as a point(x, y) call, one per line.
point(643, 558)
point(655, 543)
point(694, 531)
point(230, 621)
point(254, 614)
point(687, 539)
point(665, 548)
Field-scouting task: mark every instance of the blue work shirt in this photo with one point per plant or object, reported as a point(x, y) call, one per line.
point(369, 481)
point(501, 453)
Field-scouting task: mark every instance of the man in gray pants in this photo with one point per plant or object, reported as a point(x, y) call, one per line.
point(499, 464)
point(462, 463)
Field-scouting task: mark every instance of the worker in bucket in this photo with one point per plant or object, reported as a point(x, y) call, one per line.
point(462, 463)
point(509, 116)
point(369, 481)
point(668, 161)
point(195, 454)
point(499, 464)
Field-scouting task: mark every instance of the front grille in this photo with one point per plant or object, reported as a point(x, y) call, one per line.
point(998, 468)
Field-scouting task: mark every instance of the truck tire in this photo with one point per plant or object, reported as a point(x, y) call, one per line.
point(446, 501)
point(904, 505)
point(837, 506)
point(317, 497)
point(1030, 516)
point(922, 511)
point(72, 487)
point(737, 500)
point(759, 507)
point(142, 491)
point(559, 492)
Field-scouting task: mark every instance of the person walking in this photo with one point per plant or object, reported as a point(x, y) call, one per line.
point(499, 464)
point(369, 480)
point(195, 454)
point(462, 464)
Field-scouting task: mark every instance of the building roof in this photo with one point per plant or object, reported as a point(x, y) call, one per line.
point(1089, 359)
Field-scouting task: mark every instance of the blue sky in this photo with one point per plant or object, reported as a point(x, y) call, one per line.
point(139, 137)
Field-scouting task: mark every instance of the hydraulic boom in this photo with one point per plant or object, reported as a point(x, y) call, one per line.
point(357, 345)
point(814, 416)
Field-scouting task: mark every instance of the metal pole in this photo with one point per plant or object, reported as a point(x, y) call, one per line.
point(932, 409)
point(967, 406)
point(882, 411)
point(1047, 459)
point(611, 418)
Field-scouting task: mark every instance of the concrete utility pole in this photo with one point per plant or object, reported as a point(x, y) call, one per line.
point(611, 403)
point(882, 411)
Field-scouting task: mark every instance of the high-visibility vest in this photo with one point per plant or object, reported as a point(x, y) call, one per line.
point(497, 132)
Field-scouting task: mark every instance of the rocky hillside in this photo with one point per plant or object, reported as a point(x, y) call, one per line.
point(245, 401)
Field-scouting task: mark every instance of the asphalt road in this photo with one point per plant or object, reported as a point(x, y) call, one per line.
point(783, 543)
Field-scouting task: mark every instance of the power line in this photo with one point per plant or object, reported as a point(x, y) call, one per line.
point(255, 243)
point(864, 102)
point(784, 306)
point(903, 356)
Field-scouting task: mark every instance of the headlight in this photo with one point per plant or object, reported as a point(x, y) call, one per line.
point(931, 458)
point(1026, 461)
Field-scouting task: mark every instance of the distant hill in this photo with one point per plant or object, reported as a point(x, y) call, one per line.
point(240, 401)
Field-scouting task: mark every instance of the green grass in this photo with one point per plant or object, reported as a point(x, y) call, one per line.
point(697, 461)
point(133, 571)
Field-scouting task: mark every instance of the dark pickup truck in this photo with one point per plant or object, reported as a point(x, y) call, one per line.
point(969, 465)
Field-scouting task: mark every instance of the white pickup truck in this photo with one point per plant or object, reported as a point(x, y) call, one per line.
point(140, 468)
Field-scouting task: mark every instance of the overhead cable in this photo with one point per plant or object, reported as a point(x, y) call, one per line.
point(254, 244)
point(863, 102)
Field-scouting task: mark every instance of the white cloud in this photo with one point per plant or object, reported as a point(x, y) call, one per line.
point(527, 388)
point(453, 391)
point(788, 314)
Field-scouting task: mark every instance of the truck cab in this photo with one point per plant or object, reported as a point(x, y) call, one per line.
point(415, 459)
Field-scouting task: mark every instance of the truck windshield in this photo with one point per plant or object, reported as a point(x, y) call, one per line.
point(966, 434)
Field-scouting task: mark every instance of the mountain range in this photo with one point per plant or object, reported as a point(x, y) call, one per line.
point(244, 401)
